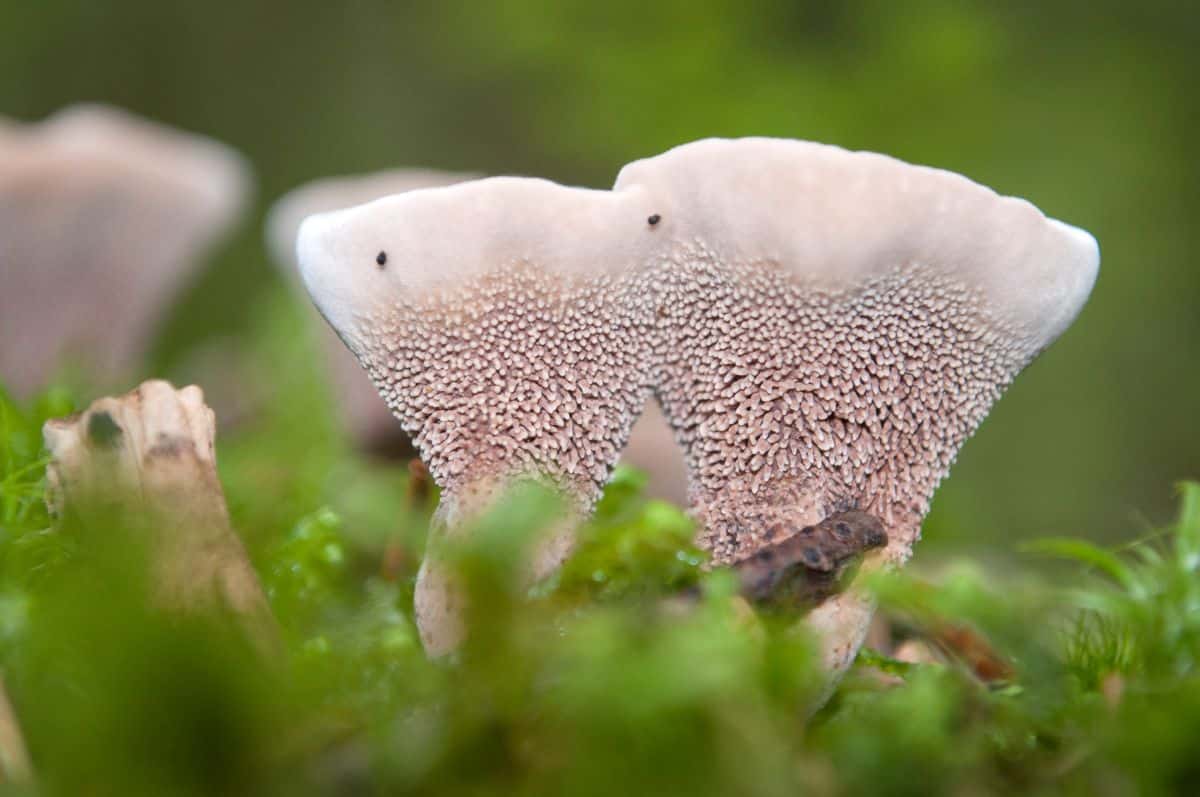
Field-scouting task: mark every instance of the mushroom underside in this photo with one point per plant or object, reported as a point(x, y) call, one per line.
point(825, 348)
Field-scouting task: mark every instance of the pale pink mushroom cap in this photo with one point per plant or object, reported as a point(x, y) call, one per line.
point(363, 412)
point(103, 217)
point(327, 194)
point(834, 326)
point(365, 415)
point(509, 329)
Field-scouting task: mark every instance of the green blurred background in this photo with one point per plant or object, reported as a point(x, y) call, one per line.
point(1088, 109)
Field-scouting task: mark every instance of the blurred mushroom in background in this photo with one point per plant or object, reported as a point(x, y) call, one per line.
point(652, 449)
point(364, 413)
point(104, 216)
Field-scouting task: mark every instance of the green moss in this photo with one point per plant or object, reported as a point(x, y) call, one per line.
point(593, 682)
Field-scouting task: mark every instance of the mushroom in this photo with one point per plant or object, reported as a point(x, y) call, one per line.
point(365, 415)
point(508, 324)
point(823, 329)
point(835, 325)
point(103, 217)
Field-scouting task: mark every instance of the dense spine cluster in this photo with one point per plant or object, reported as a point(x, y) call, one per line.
point(518, 373)
point(789, 401)
point(827, 349)
point(362, 413)
point(792, 401)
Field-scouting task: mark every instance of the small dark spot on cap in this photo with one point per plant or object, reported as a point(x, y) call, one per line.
point(381, 259)
point(102, 429)
point(655, 219)
point(812, 556)
point(842, 529)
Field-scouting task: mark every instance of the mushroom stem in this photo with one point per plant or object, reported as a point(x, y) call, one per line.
point(14, 759)
point(439, 599)
point(149, 457)
point(738, 525)
point(840, 624)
